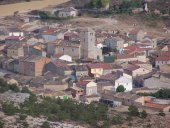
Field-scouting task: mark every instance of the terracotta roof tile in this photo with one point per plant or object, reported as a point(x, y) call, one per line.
point(100, 65)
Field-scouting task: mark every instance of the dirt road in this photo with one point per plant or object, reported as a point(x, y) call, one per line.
point(9, 9)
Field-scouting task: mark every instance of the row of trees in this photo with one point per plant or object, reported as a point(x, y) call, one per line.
point(127, 5)
point(57, 110)
point(162, 93)
point(99, 3)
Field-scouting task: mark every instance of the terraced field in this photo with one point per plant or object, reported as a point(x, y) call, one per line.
point(9, 9)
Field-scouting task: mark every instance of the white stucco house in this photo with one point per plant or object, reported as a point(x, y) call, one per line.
point(124, 81)
point(15, 32)
point(68, 12)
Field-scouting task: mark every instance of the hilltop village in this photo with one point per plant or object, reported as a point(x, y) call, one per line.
point(84, 64)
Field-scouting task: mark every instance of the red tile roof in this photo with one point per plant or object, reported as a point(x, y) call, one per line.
point(15, 38)
point(157, 106)
point(100, 65)
point(163, 58)
point(82, 83)
point(134, 31)
point(132, 67)
point(133, 48)
point(71, 34)
point(61, 65)
point(136, 62)
point(123, 56)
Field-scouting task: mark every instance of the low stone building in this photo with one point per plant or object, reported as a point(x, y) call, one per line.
point(15, 51)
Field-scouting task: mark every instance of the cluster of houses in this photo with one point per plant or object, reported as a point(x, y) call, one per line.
point(84, 64)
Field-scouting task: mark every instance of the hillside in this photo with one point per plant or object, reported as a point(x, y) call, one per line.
point(11, 1)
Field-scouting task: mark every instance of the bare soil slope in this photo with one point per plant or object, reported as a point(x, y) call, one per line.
point(9, 9)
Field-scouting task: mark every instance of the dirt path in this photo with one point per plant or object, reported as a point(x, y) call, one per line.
point(9, 9)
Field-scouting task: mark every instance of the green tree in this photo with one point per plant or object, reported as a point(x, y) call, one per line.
point(120, 88)
point(143, 114)
point(22, 116)
point(14, 87)
point(104, 3)
point(117, 120)
point(1, 124)
point(25, 124)
point(9, 109)
point(95, 3)
point(133, 110)
point(45, 125)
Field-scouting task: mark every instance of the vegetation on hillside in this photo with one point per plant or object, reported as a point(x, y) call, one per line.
point(4, 86)
point(162, 93)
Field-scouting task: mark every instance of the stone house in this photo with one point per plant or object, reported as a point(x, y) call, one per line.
point(59, 67)
point(66, 48)
point(3, 33)
point(49, 35)
point(141, 64)
point(162, 61)
point(80, 70)
point(160, 58)
point(14, 39)
point(135, 70)
point(32, 65)
point(125, 98)
point(38, 50)
point(72, 36)
point(98, 69)
point(114, 43)
point(76, 92)
point(11, 65)
point(15, 50)
point(90, 87)
point(136, 34)
point(68, 12)
point(34, 40)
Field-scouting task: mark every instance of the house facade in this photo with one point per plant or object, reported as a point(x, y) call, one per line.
point(15, 50)
point(98, 69)
point(125, 82)
point(136, 34)
point(114, 43)
point(66, 48)
point(15, 32)
point(68, 12)
point(32, 65)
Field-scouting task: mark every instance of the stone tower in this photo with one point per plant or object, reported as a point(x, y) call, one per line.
point(87, 42)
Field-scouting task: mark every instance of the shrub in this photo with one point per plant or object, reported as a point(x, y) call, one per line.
point(45, 125)
point(1, 124)
point(22, 116)
point(120, 88)
point(9, 109)
point(117, 120)
point(143, 114)
point(161, 113)
point(133, 110)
